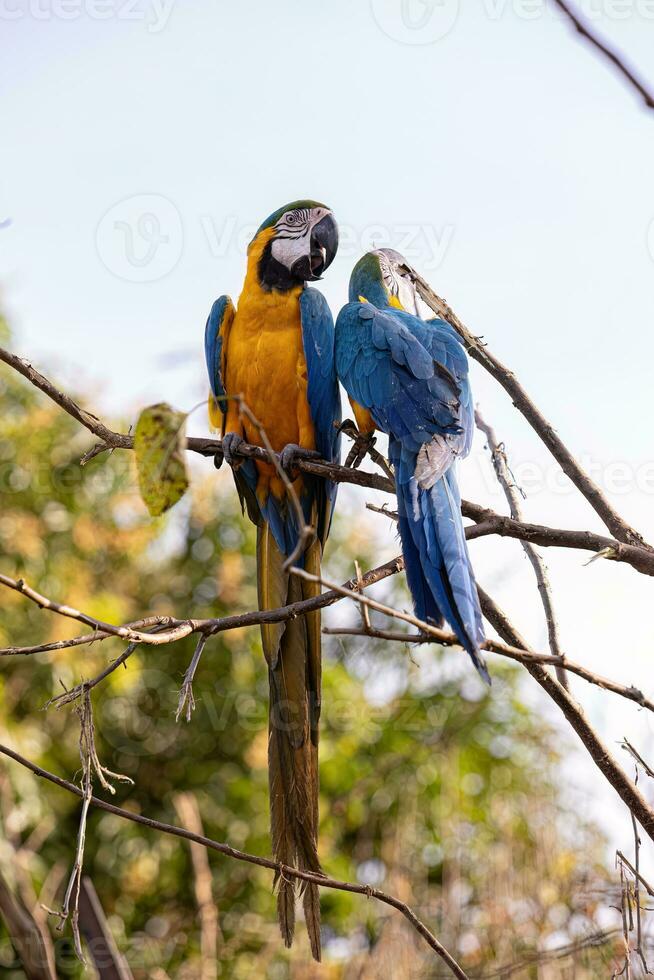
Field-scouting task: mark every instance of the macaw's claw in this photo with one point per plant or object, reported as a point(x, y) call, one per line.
point(290, 455)
point(219, 459)
point(349, 427)
point(231, 444)
point(363, 443)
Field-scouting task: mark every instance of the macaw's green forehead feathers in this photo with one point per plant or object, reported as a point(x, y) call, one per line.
point(368, 267)
point(367, 280)
point(273, 218)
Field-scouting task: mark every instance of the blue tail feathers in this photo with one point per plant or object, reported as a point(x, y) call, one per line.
point(436, 558)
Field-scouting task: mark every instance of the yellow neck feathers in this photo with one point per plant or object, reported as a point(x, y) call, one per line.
point(253, 292)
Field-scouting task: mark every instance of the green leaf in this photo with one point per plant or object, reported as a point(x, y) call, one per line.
point(158, 444)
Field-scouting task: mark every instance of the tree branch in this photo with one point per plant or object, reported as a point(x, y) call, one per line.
point(349, 590)
point(323, 881)
point(544, 429)
point(600, 755)
point(613, 56)
point(630, 550)
point(183, 627)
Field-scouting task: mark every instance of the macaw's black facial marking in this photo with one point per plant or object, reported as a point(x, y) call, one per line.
point(303, 247)
point(274, 275)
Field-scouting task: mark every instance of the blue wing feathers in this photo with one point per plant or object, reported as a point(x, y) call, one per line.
point(323, 394)
point(413, 378)
point(213, 344)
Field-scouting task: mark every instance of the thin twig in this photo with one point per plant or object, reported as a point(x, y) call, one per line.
point(625, 912)
point(76, 692)
point(541, 956)
point(181, 628)
point(628, 747)
point(186, 693)
point(616, 59)
point(90, 764)
point(639, 923)
point(363, 609)
point(648, 888)
point(71, 897)
point(321, 880)
point(505, 479)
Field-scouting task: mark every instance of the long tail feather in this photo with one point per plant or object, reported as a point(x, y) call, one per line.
point(293, 656)
point(439, 571)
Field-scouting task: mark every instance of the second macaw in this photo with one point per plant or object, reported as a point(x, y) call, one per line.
point(409, 377)
point(276, 352)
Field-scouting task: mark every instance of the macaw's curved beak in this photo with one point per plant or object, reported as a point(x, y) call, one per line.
point(324, 245)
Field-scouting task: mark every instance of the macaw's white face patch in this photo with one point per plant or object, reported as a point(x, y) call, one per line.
point(293, 234)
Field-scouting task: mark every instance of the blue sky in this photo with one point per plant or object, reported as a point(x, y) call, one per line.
point(143, 140)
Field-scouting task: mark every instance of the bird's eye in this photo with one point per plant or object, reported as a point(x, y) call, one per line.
point(291, 218)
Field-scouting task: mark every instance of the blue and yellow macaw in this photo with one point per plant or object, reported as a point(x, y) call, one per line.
point(409, 377)
point(276, 350)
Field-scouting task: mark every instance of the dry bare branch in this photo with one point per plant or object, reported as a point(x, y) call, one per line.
point(616, 59)
point(90, 764)
point(488, 522)
point(599, 753)
point(209, 626)
point(186, 694)
point(544, 429)
point(322, 881)
point(627, 546)
point(505, 479)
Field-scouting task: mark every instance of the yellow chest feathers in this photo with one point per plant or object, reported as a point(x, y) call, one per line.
point(265, 360)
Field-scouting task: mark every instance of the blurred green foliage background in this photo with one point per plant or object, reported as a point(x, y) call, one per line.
point(432, 788)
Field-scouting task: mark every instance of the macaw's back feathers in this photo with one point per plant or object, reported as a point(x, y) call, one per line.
point(385, 368)
point(412, 376)
point(292, 651)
